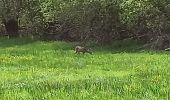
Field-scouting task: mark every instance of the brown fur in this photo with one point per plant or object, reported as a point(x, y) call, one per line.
point(79, 49)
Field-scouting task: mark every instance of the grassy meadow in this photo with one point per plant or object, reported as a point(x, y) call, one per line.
point(38, 70)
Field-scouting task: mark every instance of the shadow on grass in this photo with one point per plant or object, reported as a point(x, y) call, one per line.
point(5, 42)
point(63, 46)
point(118, 47)
point(127, 46)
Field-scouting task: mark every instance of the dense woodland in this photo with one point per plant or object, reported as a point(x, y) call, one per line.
point(99, 21)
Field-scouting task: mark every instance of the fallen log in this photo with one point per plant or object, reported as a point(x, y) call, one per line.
point(167, 49)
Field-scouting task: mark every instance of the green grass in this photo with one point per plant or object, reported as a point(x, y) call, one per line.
point(36, 70)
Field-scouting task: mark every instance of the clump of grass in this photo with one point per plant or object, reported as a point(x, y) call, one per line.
point(51, 70)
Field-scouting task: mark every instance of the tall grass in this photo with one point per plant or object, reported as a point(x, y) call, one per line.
point(36, 70)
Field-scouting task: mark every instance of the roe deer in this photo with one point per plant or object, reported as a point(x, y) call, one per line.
point(79, 49)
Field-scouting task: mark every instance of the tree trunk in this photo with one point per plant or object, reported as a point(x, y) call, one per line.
point(11, 27)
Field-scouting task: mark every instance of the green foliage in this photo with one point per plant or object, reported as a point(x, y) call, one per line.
point(146, 15)
point(51, 70)
point(130, 11)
